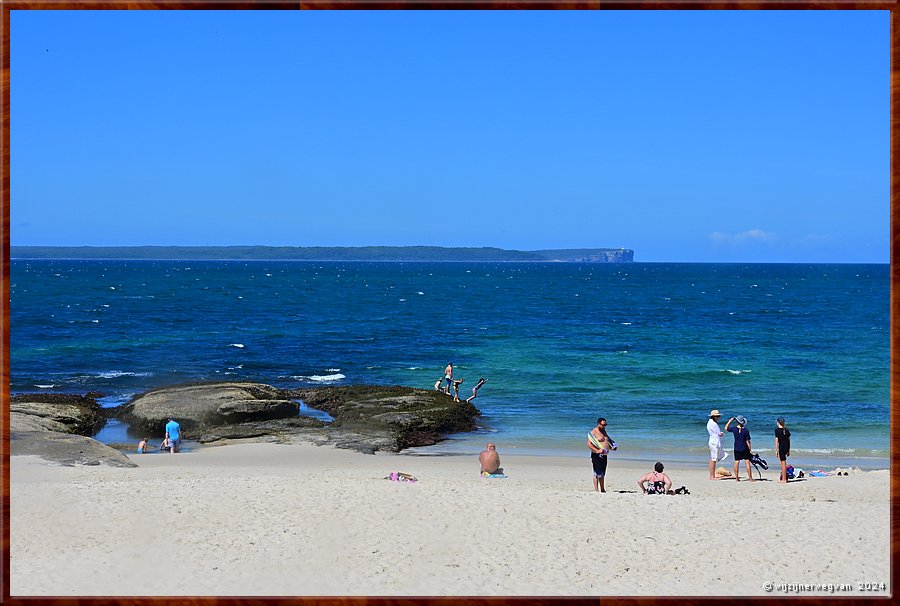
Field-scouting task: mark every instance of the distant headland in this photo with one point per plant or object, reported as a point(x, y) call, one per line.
point(324, 253)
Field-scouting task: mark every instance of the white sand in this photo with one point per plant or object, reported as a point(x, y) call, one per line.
point(266, 519)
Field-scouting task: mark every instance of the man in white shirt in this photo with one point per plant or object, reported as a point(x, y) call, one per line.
point(716, 452)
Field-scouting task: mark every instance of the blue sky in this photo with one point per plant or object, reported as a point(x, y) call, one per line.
point(698, 136)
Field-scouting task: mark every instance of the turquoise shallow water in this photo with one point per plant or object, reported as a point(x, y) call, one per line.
point(651, 347)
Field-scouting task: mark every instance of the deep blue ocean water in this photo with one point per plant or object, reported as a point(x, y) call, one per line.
point(650, 346)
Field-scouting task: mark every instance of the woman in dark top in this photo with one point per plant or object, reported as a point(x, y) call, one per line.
point(741, 445)
point(782, 447)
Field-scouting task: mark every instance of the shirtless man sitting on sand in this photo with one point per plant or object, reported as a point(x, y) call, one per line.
point(490, 460)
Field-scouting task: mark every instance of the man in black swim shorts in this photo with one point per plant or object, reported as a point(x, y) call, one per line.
point(599, 444)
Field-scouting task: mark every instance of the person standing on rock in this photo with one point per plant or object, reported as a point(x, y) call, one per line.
point(173, 431)
point(456, 383)
point(448, 376)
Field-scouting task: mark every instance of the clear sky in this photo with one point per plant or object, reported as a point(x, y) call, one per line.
point(687, 136)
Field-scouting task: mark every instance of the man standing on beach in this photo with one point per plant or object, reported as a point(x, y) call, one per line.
point(599, 444)
point(716, 452)
point(490, 460)
point(173, 431)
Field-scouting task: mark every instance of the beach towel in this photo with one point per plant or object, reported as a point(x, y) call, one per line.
point(596, 443)
point(399, 476)
point(485, 474)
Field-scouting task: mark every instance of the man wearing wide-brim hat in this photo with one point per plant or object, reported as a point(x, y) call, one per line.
point(716, 452)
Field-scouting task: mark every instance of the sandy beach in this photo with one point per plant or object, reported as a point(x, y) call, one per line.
point(256, 519)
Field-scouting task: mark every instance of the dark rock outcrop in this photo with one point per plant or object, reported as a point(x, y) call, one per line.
point(62, 413)
point(404, 416)
point(367, 418)
point(66, 449)
point(201, 407)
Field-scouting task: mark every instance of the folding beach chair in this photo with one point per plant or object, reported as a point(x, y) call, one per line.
point(758, 462)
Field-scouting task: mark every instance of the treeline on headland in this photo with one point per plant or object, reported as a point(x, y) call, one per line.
point(323, 253)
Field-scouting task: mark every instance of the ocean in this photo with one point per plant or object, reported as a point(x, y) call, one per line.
point(652, 347)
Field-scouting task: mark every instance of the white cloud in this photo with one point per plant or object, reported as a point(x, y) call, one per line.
point(749, 236)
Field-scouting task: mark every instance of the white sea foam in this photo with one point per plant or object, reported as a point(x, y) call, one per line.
point(115, 374)
point(333, 369)
point(45, 386)
point(401, 300)
point(420, 293)
point(327, 378)
point(238, 345)
point(736, 372)
point(823, 450)
point(414, 368)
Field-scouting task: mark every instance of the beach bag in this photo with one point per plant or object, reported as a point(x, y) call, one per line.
point(790, 472)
